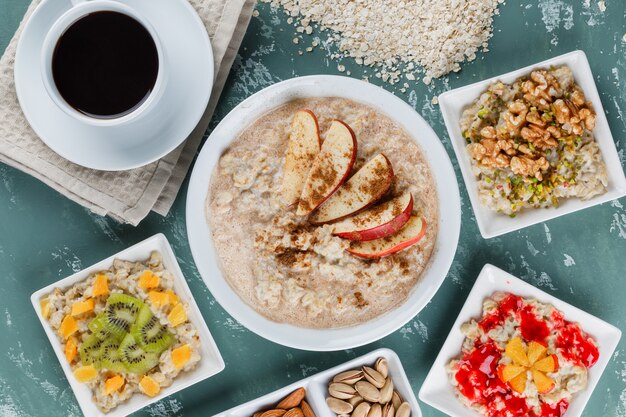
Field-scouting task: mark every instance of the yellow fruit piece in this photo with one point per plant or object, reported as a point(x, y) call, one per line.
point(113, 384)
point(536, 351)
point(173, 297)
point(68, 327)
point(45, 308)
point(158, 298)
point(148, 280)
point(100, 285)
point(508, 372)
point(519, 383)
point(85, 373)
point(81, 307)
point(149, 386)
point(181, 355)
point(544, 384)
point(177, 316)
point(71, 348)
point(515, 351)
point(547, 365)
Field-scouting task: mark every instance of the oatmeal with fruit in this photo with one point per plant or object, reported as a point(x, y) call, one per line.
point(323, 213)
point(124, 331)
point(531, 143)
point(523, 358)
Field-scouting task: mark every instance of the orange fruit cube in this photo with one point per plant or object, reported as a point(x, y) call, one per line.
point(85, 373)
point(508, 372)
point(519, 383)
point(113, 384)
point(100, 286)
point(149, 386)
point(71, 348)
point(158, 298)
point(148, 280)
point(173, 297)
point(544, 384)
point(45, 308)
point(181, 355)
point(177, 316)
point(547, 364)
point(536, 351)
point(68, 327)
point(81, 307)
point(515, 350)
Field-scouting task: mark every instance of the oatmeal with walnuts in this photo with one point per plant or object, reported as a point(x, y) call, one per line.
point(532, 144)
point(124, 331)
point(323, 213)
point(522, 358)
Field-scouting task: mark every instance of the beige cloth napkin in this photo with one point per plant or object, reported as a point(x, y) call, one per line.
point(128, 195)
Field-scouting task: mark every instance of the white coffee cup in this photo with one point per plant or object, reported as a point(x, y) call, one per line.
point(80, 9)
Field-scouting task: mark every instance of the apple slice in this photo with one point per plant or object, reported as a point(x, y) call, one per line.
point(303, 146)
point(380, 221)
point(363, 189)
point(411, 233)
point(330, 168)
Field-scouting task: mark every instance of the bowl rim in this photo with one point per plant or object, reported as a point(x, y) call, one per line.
point(201, 242)
point(209, 348)
point(492, 224)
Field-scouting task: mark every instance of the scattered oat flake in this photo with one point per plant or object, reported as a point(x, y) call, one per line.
point(255, 13)
point(435, 100)
point(393, 34)
point(602, 5)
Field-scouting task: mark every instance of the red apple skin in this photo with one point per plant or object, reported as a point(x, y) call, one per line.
point(394, 249)
point(383, 191)
point(381, 231)
point(346, 174)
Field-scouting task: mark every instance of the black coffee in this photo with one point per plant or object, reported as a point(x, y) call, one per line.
point(105, 65)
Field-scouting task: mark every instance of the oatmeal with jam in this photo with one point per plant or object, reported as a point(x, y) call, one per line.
point(324, 213)
point(523, 358)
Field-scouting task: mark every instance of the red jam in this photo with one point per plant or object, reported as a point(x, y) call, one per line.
point(477, 376)
point(511, 303)
point(531, 327)
point(554, 410)
point(576, 347)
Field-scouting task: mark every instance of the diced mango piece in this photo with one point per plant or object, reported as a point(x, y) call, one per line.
point(81, 307)
point(113, 384)
point(45, 308)
point(181, 355)
point(178, 315)
point(544, 384)
point(515, 350)
point(173, 297)
point(158, 298)
point(71, 348)
point(148, 280)
point(508, 372)
point(149, 386)
point(100, 286)
point(547, 364)
point(536, 351)
point(68, 327)
point(519, 383)
point(85, 373)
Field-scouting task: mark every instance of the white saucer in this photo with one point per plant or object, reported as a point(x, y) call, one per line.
point(140, 141)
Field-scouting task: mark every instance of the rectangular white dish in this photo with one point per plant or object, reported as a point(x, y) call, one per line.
point(210, 364)
point(493, 224)
point(437, 390)
point(316, 387)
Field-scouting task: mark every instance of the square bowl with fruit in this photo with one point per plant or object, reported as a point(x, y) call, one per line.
point(127, 330)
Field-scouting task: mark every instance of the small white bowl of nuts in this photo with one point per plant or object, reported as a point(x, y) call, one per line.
point(374, 385)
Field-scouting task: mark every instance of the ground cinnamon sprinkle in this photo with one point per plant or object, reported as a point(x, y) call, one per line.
point(374, 188)
point(360, 301)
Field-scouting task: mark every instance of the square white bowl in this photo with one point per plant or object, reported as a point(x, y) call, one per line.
point(437, 390)
point(493, 224)
point(210, 364)
point(317, 387)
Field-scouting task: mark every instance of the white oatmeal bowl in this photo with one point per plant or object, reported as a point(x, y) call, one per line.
point(217, 259)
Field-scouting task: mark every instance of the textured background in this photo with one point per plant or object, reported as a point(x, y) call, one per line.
point(579, 258)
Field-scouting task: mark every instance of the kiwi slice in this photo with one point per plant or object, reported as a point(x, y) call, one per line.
point(98, 327)
point(149, 333)
point(134, 358)
point(110, 357)
point(120, 313)
point(90, 350)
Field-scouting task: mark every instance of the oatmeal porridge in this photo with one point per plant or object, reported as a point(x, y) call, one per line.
point(523, 358)
point(296, 268)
